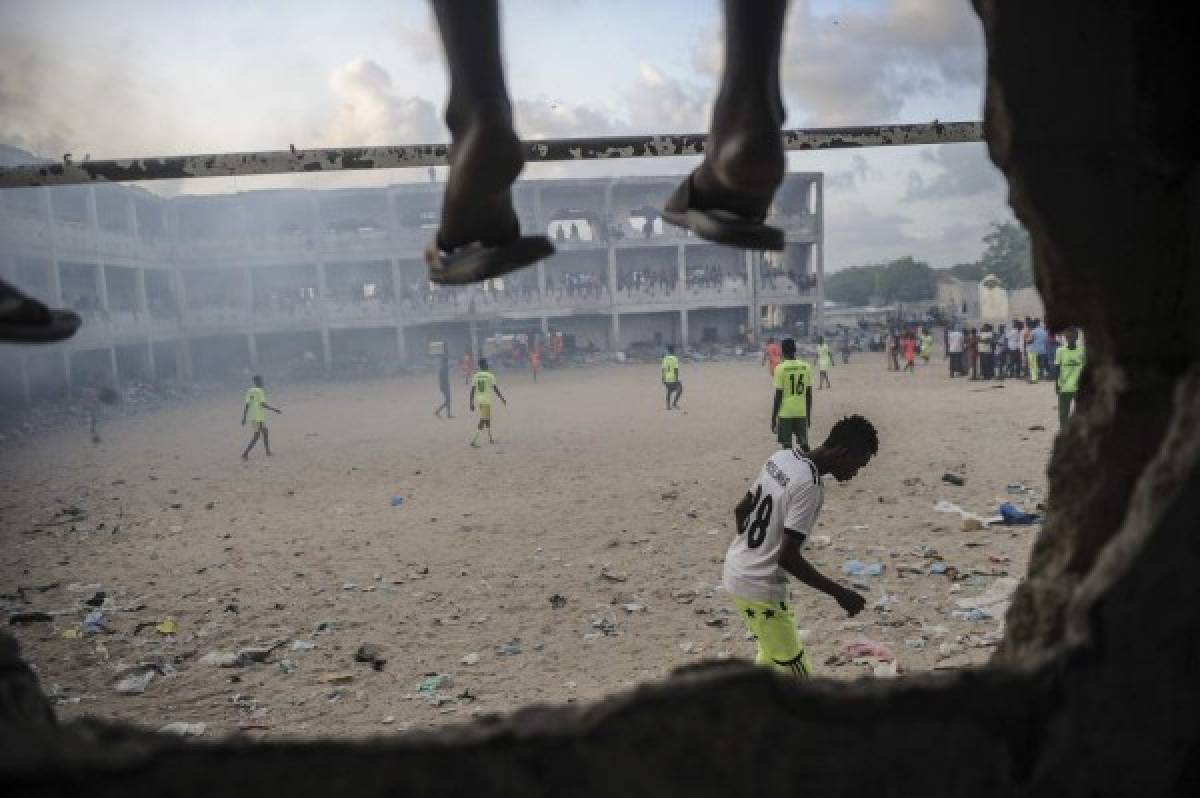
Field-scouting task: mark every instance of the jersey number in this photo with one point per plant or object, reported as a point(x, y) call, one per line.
point(759, 519)
point(481, 386)
point(792, 380)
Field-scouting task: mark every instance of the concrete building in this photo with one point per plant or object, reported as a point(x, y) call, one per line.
point(294, 283)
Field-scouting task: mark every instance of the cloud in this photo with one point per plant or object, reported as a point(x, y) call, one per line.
point(870, 66)
point(860, 172)
point(420, 42)
point(369, 111)
point(959, 170)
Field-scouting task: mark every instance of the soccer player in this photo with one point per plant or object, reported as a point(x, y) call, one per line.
point(483, 385)
point(468, 367)
point(444, 385)
point(1069, 361)
point(909, 344)
point(824, 362)
point(535, 361)
point(772, 355)
point(773, 519)
point(670, 378)
point(256, 401)
point(793, 398)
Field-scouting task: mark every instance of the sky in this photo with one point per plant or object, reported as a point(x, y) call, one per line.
point(120, 78)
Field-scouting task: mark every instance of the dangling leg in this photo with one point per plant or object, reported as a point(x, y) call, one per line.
point(253, 440)
point(480, 236)
point(266, 440)
point(727, 197)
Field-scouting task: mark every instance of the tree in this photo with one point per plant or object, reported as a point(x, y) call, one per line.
point(900, 280)
point(1009, 255)
point(854, 286)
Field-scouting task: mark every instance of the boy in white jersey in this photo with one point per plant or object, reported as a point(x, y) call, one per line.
point(773, 520)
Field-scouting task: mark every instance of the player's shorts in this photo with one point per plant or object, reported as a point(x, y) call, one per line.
point(257, 425)
point(485, 411)
point(673, 386)
point(773, 624)
point(785, 428)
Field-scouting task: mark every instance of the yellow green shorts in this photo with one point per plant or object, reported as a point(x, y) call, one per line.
point(485, 411)
point(774, 626)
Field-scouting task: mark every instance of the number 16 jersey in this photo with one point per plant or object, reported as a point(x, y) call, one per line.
point(787, 495)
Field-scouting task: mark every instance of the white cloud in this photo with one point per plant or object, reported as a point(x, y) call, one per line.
point(369, 111)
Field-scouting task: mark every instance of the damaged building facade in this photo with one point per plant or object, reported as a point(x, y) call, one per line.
point(305, 283)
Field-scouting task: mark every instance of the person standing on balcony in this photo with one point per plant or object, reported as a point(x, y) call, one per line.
point(256, 402)
point(670, 378)
point(444, 385)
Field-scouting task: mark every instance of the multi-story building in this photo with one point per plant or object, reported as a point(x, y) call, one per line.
point(310, 281)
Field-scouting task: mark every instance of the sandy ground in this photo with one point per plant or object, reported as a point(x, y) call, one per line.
point(571, 499)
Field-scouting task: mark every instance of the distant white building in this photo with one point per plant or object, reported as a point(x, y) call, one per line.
point(986, 300)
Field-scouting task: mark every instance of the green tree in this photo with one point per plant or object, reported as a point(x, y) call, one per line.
point(907, 280)
point(854, 286)
point(1008, 254)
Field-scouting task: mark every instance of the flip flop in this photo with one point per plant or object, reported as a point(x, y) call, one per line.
point(25, 320)
point(475, 262)
point(720, 226)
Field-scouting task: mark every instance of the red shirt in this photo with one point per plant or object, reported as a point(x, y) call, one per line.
point(910, 346)
point(774, 355)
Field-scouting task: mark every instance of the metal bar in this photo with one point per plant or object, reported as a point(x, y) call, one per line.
point(405, 157)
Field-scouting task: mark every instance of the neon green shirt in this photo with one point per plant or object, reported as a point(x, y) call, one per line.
point(1069, 363)
point(793, 378)
point(255, 399)
point(824, 358)
point(485, 384)
point(670, 369)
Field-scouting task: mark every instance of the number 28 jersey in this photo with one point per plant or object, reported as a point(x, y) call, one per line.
point(787, 495)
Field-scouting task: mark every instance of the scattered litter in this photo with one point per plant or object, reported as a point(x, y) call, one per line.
point(1037, 428)
point(24, 618)
point(716, 623)
point(136, 682)
point(995, 600)
point(221, 659)
point(684, 596)
point(669, 495)
point(255, 723)
point(886, 601)
point(860, 527)
point(937, 568)
point(944, 506)
point(869, 648)
point(397, 501)
point(974, 614)
point(606, 626)
point(370, 654)
point(915, 642)
point(859, 568)
point(633, 607)
point(72, 633)
point(168, 626)
point(259, 651)
point(433, 683)
point(509, 649)
point(557, 602)
point(287, 667)
point(820, 541)
point(688, 647)
point(887, 670)
point(953, 479)
point(470, 659)
point(613, 576)
point(335, 677)
point(999, 559)
point(184, 729)
point(97, 599)
point(303, 645)
point(390, 719)
point(94, 623)
point(1011, 515)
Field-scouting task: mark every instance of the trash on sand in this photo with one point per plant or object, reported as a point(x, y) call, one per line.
point(953, 479)
point(432, 683)
point(97, 599)
point(303, 645)
point(470, 659)
point(335, 677)
point(995, 600)
point(259, 651)
point(557, 602)
point(999, 559)
point(886, 601)
point(684, 596)
point(820, 541)
point(397, 501)
point(869, 648)
point(915, 642)
point(286, 666)
point(370, 654)
point(859, 568)
point(136, 682)
point(72, 633)
point(168, 626)
point(887, 670)
point(1011, 515)
point(612, 576)
point(633, 607)
point(23, 618)
point(509, 649)
point(184, 729)
point(94, 623)
point(944, 506)
point(221, 659)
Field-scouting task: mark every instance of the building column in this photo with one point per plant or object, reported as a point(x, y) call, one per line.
point(752, 261)
point(541, 275)
point(55, 275)
point(545, 325)
point(683, 328)
point(401, 345)
point(102, 286)
point(141, 301)
point(820, 253)
point(326, 350)
point(680, 269)
point(93, 217)
point(131, 220)
point(252, 350)
point(473, 331)
point(113, 367)
point(612, 273)
point(614, 332)
point(179, 289)
point(183, 360)
point(151, 362)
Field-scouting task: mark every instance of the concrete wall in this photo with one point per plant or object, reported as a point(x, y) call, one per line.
point(641, 327)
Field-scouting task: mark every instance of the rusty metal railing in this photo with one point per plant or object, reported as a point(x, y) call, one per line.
point(68, 172)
